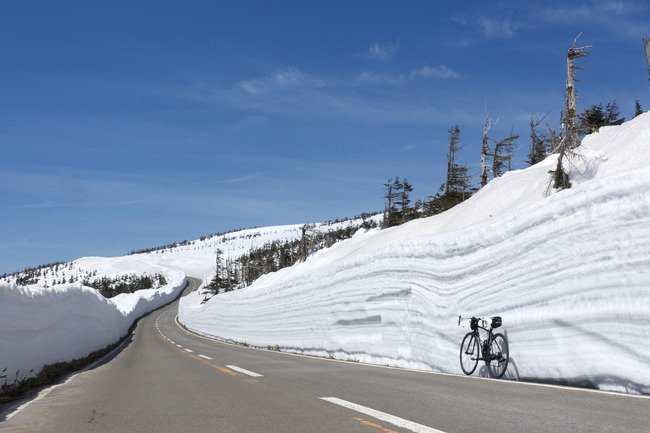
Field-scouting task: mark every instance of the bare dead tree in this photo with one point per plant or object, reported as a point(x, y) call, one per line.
point(571, 110)
point(571, 136)
point(555, 137)
point(503, 153)
point(485, 149)
point(646, 43)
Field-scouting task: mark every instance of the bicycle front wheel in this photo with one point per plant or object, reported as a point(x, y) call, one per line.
point(469, 353)
point(497, 356)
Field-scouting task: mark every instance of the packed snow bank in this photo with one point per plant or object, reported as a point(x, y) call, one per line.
point(49, 322)
point(569, 273)
point(41, 326)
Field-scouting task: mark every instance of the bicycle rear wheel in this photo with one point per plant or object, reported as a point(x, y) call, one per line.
point(469, 353)
point(497, 356)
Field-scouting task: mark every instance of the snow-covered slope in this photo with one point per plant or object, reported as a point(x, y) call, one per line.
point(48, 322)
point(41, 326)
point(569, 274)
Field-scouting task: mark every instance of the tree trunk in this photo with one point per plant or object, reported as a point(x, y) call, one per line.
point(572, 139)
point(485, 150)
point(646, 43)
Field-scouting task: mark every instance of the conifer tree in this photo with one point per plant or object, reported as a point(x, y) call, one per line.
point(637, 108)
point(393, 192)
point(454, 172)
point(594, 117)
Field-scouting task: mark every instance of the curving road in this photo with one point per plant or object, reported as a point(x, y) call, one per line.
point(167, 380)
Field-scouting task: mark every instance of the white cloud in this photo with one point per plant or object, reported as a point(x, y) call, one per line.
point(621, 17)
point(279, 80)
point(379, 79)
point(442, 72)
point(438, 72)
point(492, 28)
point(383, 52)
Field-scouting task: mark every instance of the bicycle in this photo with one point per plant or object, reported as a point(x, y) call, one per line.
point(493, 350)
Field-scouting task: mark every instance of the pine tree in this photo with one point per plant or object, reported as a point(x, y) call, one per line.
point(454, 172)
point(405, 212)
point(594, 117)
point(637, 108)
point(393, 192)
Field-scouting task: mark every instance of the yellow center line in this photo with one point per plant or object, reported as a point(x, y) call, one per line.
point(372, 424)
point(225, 370)
point(218, 367)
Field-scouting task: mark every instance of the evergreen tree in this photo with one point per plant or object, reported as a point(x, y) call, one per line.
point(457, 188)
point(393, 192)
point(453, 171)
point(595, 117)
point(637, 108)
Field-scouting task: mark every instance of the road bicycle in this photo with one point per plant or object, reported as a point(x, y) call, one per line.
point(493, 349)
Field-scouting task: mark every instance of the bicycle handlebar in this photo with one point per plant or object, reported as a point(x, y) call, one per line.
point(482, 320)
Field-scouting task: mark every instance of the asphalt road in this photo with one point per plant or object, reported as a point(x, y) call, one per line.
point(167, 380)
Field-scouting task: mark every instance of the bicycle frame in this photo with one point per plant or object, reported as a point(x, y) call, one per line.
point(493, 349)
point(482, 343)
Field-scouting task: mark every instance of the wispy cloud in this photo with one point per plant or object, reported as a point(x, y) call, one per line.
point(280, 80)
point(494, 28)
point(485, 26)
point(246, 178)
point(383, 52)
point(621, 16)
point(441, 72)
point(373, 78)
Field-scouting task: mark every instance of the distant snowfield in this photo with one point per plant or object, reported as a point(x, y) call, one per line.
point(569, 273)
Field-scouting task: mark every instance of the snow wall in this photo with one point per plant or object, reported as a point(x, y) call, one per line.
point(42, 326)
point(569, 273)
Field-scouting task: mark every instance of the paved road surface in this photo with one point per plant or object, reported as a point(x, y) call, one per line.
point(166, 380)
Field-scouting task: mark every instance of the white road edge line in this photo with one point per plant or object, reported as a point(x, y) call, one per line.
point(42, 394)
point(399, 422)
point(205, 357)
point(241, 370)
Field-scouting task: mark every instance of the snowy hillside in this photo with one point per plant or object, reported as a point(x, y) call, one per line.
point(569, 274)
point(49, 322)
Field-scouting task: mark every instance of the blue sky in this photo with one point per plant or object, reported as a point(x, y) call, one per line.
point(132, 124)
